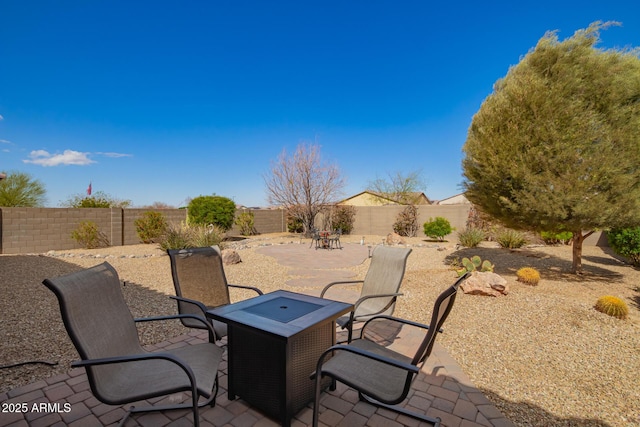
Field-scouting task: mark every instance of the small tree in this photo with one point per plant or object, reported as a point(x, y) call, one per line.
point(342, 217)
point(437, 228)
point(407, 222)
point(19, 189)
point(399, 186)
point(151, 227)
point(303, 184)
point(217, 210)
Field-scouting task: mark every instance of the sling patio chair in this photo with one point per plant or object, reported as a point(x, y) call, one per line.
point(119, 370)
point(379, 287)
point(334, 239)
point(200, 284)
point(381, 375)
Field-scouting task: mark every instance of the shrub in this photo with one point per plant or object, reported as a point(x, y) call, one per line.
point(246, 223)
point(613, 306)
point(89, 236)
point(151, 226)
point(510, 239)
point(407, 222)
point(437, 228)
point(294, 224)
point(185, 236)
point(553, 238)
point(471, 237)
point(626, 242)
point(217, 210)
point(474, 263)
point(342, 217)
point(528, 275)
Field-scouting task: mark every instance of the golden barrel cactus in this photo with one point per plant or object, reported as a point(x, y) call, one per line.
point(613, 306)
point(528, 275)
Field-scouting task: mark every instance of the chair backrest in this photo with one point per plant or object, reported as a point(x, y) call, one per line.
point(96, 317)
point(198, 274)
point(441, 310)
point(384, 276)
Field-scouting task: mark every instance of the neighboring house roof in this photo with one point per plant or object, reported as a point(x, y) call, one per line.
point(372, 198)
point(458, 199)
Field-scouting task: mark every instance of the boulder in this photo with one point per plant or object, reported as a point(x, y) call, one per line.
point(394, 239)
point(485, 283)
point(230, 256)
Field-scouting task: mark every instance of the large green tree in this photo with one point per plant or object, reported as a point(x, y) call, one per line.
point(556, 146)
point(19, 189)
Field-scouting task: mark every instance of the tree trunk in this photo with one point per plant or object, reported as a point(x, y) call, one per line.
point(576, 266)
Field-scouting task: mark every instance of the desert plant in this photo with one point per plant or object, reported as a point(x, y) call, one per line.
point(88, 235)
point(342, 217)
point(471, 237)
point(475, 263)
point(151, 226)
point(217, 210)
point(437, 228)
point(553, 238)
point(183, 236)
point(511, 239)
point(246, 223)
point(613, 306)
point(407, 222)
point(528, 275)
point(626, 242)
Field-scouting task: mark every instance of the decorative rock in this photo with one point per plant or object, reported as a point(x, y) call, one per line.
point(485, 283)
point(394, 239)
point(229, 256)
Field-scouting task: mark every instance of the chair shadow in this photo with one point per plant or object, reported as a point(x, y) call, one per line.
point(538, 415)
point(39, 334)
point(554, 268)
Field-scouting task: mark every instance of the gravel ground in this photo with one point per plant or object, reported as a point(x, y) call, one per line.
point(542, 354)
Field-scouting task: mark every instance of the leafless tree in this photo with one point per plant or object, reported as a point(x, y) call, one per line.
point(303, 184)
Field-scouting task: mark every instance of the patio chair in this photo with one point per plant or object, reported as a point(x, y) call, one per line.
point(381, 375)
point(334, 239)
point(316, 238)
point(200, 284)
point(119, 370)
point(379, 287)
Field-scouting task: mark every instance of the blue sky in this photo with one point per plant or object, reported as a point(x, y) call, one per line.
point(160, 101)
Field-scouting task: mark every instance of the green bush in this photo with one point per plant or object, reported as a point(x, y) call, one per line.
point(343, 217)
point(553, 238)
point(294, 224)
point(471, 237)
point(246, 223)
point(217, 210)
point(185, 236)
point(511, 239)
point(626, 242)
point(437, 228)
point(89, 236)
point(151, 226)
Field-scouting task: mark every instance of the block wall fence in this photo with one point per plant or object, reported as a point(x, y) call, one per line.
point(38, 230)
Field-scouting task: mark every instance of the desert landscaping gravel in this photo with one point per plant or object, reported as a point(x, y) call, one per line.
point(542, 354)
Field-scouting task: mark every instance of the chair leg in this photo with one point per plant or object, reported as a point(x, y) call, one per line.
point(395, 408)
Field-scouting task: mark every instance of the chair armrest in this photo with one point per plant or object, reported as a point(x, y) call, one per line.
point(382, 359)
point(178, 316)
point(361, 300)
point(200, 305)
point(348, 282)
point(258, 291)
point(398, 320)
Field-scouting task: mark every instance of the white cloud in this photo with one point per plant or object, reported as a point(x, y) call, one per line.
point(4, 141)
point(115, 155)
point(68, 157)
point(1, 118)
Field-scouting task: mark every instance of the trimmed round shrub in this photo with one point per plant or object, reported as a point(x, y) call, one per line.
point(613, 306)
point(528, 275)
point(437, 228)
point(217, 210)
